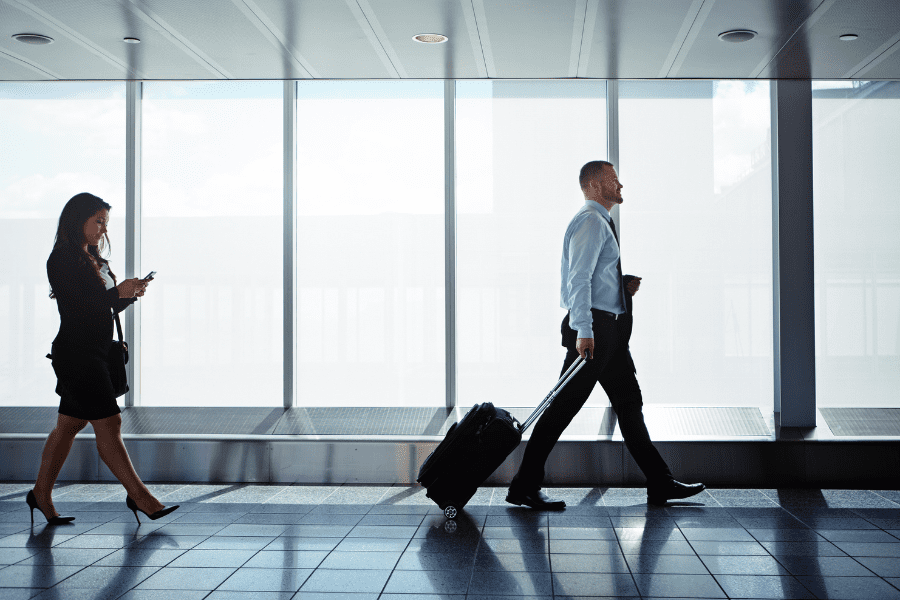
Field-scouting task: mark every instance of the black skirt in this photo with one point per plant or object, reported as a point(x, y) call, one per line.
point(83, 383)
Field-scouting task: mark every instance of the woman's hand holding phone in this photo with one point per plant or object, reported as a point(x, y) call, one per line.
point(132, 288)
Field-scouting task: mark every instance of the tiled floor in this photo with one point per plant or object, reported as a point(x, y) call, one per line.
point(271, 542)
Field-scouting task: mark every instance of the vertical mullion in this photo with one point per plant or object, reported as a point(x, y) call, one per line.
point(133, 96)
point(612, 140)
point(612, 155)
point(290, 243)
point(450, 240)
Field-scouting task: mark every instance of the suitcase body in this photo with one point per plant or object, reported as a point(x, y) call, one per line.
point(475, 447)
point(468, 454)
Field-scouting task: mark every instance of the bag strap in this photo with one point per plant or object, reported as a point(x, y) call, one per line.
point(119, 327)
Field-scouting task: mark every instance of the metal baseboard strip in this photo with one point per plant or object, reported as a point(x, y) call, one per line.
point(332, 460)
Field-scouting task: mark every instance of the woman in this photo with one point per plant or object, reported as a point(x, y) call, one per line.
point(87, 298)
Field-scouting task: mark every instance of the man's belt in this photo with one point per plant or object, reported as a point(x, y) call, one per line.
point(606, 314)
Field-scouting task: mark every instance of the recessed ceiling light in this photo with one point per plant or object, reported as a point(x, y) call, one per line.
point(131, 40)
point(737, 35)
point(430, 38)
point(848, 37)
point(33, 38)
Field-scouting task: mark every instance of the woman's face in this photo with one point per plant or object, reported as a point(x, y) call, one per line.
point(95, 227)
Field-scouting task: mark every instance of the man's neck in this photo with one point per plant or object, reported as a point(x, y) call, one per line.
point(607, 204)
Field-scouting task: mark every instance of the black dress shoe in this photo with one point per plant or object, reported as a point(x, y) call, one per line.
point(537, 500)
point(675, 490)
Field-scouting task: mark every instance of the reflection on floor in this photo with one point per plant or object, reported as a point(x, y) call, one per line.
point(366, 542)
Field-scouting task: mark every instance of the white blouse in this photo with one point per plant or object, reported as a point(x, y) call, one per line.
point(107, 278)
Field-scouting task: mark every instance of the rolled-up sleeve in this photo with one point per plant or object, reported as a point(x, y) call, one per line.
point(584, 249)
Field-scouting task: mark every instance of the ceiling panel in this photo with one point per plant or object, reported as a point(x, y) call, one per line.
point(885, 66)
point(106, 22)
point(222, 32)
point(634, 38)
point(328, 37)
point(529, 38)
point(706, 56)
point(370, 39)
point(402, 19)
point(65, 57)
point(819, 54)
point(12, 69)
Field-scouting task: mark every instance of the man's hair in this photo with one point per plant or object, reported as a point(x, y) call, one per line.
point(591, 171)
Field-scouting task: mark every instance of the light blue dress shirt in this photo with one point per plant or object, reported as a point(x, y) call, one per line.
point(589, 275)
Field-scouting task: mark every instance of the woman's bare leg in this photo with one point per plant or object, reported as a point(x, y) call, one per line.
point(56, 449)
point(112, 451)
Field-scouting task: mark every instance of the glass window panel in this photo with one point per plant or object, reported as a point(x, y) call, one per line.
point(697, 226)
point(520, 147)
point(212, 228)
point(370, 243)
point(856, 128)
point(57, 139)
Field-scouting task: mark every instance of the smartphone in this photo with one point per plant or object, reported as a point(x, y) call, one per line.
point(150, 276)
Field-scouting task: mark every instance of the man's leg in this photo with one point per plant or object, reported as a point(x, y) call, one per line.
point(620, 384)
point(556, 418)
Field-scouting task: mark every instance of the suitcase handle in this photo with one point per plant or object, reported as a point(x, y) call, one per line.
point(566, 378)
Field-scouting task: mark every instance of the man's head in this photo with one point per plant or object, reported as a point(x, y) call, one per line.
point(600, 183)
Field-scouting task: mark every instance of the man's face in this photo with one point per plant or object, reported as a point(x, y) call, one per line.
point(610, 188)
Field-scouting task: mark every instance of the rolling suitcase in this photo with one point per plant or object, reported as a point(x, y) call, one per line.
point(475, 447)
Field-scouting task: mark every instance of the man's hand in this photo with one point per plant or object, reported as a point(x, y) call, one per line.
point(585, 346)
point(634, 285)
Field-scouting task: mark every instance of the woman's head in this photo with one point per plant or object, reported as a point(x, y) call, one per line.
point(83, 221)
point(82, 231)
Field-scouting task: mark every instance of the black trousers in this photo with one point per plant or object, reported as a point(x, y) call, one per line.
point(613, 367)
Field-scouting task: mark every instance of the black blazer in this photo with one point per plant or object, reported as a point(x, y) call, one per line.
point(85, 318)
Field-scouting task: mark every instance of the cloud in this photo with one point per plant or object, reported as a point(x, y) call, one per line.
point(40, 196)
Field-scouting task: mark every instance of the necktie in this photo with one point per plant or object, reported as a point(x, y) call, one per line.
point(612, 226)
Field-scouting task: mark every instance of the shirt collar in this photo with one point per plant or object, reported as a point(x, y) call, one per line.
point(591, 205)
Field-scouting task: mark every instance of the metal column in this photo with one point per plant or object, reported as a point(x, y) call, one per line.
point(450, 240)
point(290, 243)
point(612, 140)
point(792, 253)
point(132, 326)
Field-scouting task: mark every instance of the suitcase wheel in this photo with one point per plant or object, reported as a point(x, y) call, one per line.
point(450, 526)
point(450, 512)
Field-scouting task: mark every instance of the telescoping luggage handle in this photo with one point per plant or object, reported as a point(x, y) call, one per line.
point(567, 376)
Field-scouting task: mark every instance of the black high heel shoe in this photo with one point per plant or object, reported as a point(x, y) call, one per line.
point(32, 504)
point(157, 515)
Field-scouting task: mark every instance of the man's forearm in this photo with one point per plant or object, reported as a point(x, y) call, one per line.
point(580, 318)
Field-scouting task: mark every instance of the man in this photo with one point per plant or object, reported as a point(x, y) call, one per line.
point(598, 327)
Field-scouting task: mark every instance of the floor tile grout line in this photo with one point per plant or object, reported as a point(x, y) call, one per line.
point(625, 560)
point(122, 548)
point(885, 498)
point(394, 568)
point(236, 570)
point(484, 525)
point(702, 562)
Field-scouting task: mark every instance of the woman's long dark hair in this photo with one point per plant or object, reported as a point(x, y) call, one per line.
point(70, 233)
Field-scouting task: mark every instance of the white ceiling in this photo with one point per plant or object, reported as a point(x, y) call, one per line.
point(372, 39)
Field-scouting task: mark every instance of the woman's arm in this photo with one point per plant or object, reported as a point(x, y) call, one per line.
point(75, 285)
point(123, 303)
